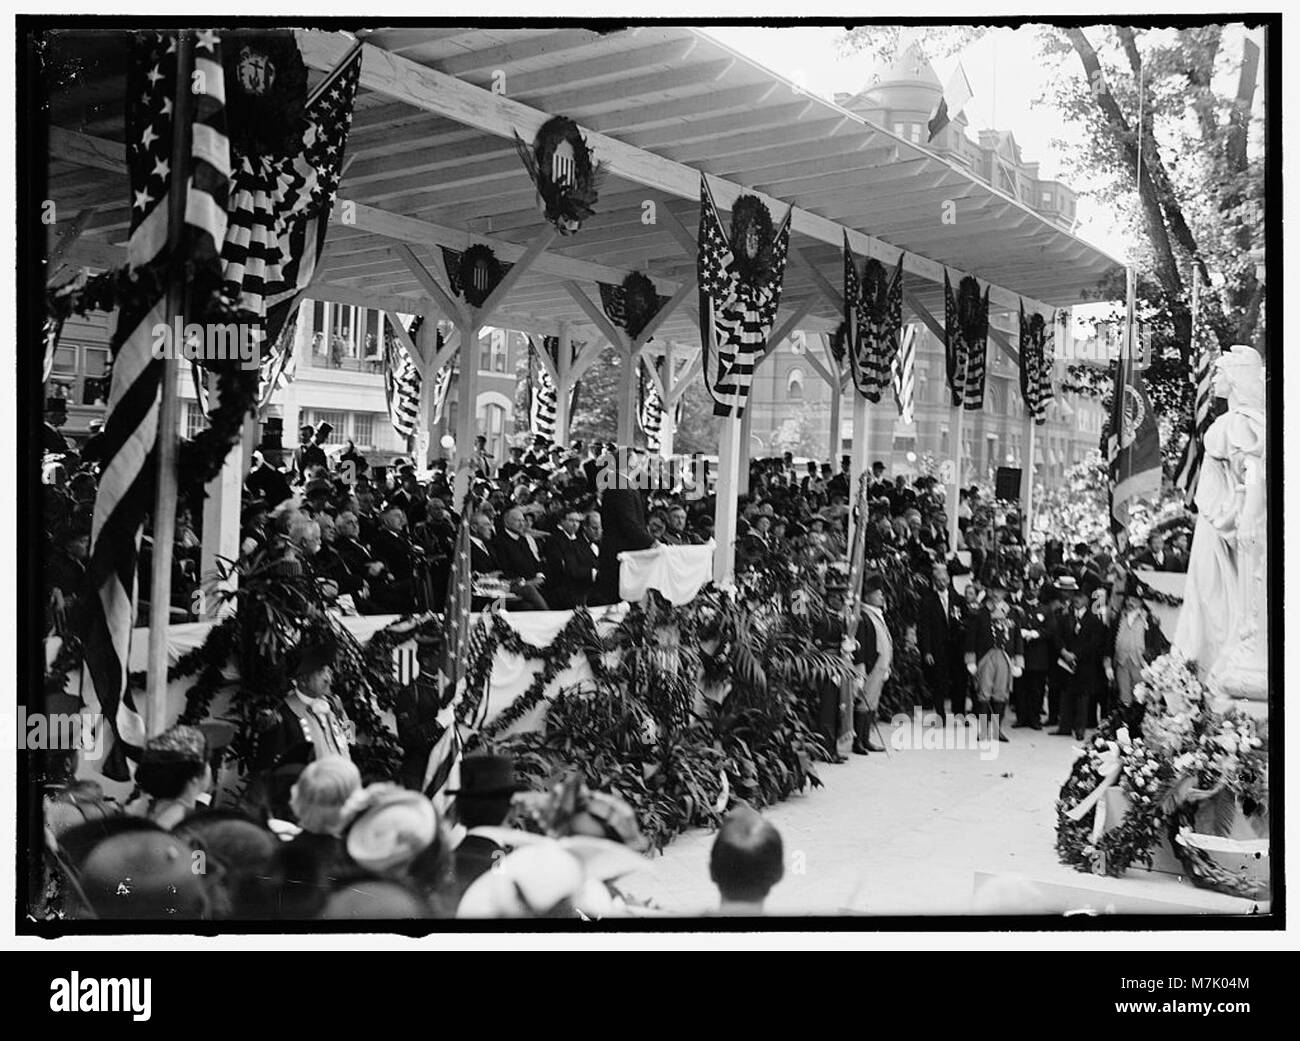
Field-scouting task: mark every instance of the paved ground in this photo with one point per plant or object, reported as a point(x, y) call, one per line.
point(908, 834)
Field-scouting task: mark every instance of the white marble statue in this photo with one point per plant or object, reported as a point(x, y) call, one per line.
point(1223, 624)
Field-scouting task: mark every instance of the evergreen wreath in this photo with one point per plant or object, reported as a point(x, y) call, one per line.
point(752, 240)
point(266, 92)
point(640, 303)
point(565, 204)
point(478, 256)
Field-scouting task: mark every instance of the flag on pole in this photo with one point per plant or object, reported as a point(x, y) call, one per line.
point(402, 383)
point(736, 317)
point(129, 450)
point(1204, 412)
point(873, 309)
point(650, 410)
point(445, 752)
point(955, 97)
point(1133, 444)
point(904, 375)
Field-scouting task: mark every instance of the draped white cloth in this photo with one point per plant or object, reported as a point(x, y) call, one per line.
point(678, 572)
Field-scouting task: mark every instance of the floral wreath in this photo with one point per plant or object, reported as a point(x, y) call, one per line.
point(266, 93)
point(565, 203)
point(472, 258)
point(752, 240)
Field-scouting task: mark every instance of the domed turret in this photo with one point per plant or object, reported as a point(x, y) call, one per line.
point(907, 83)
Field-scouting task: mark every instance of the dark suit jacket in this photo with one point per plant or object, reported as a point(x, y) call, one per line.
point(474, 857)
point(941, 633)
point(1088, 639)
point(515, 557)
point(396, 552)
point(569, 565)
point(482, 560)
point(622, 518)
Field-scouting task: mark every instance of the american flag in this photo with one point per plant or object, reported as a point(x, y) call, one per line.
point(966, 323)
point(903, 371)
point(1133, 442)
point(1036, 358)
point(441, 384)
point(873, 309)
point(1204, 353)
point(735, 317)
point(130, 435)
point(50, 330)
point(402, 382)
point(280, 208)
point(541, 390)
point(406, 662)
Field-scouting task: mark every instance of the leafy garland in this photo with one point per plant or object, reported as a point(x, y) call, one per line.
point(566, 205)
point(266, 114)
point(753, 240)
point(478, 255)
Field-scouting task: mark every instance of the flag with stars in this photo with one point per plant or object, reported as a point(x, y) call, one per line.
point(130, 435)
point(456, 651)
point(736, 318)
point(280, 209)
point(402, 382)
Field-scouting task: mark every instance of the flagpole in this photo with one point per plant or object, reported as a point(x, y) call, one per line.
point(956, 479)
point(164, 513)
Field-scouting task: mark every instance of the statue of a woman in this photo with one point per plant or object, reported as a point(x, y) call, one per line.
point(1223, 624)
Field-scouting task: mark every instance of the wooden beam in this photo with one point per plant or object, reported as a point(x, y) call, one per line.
point(652, 368)
point(407, 342)
point(597, 316)
point(835, 296)
point(590, 352)
point(687, 289)
point(541, 242)
point(451, 306)
point(683, 381)
point(400, 78)
point(923, 313)
point(822, 370)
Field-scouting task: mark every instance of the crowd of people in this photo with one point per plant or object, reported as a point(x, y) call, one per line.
point(1059, 640)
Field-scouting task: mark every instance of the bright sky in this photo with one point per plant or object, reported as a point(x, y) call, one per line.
point(1005, 76)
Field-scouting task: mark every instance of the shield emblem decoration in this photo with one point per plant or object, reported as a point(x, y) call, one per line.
point(563, 168)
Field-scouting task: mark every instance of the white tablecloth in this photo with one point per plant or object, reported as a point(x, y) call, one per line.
point(678, 572)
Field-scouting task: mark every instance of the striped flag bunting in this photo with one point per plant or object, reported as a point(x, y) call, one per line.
point(451, 263)
point(402, 383)
point(736, 318)
point(873, 311)
point(441, 384)
point(130, 435)
point(1205, 410)
point(406, 663)
point(1037, 356)
point(650, 408)
point(542, 400)
point(966, 331)
point(280, 208)
point(904, 375)
point(50, 332)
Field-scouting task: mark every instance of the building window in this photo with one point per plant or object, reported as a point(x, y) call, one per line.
point(65, 360)
point(900, 129)
point(492, 425)
point(794, 385)
point(916, 133)
point(195, 420)
point(1047, 198)
point(363, 428)
point(338, 420)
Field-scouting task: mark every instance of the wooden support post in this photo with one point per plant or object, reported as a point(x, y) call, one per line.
point(221, 511)
point(746, 445)
point(466, 411)
point(859, 459)
point(426, 434)
point(563, 384)
point(1028, 469)
point(627, 387)
point(955, 501)
point(836, 439)
point(668, 426)
point(724, 517)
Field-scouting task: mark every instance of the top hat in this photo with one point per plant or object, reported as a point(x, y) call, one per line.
point(312, 657)
point(873, 582)
point(485, 776)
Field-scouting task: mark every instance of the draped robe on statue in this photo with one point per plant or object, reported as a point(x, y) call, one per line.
point(1223, 624)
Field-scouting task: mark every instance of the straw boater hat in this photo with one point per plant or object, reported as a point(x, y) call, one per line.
point(388, 826)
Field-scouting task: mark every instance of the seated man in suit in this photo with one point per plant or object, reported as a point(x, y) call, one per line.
point(393, 589)
point(521, 561)
point(570, 564)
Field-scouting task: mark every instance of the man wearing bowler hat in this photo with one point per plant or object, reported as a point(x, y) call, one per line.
point(487, 786)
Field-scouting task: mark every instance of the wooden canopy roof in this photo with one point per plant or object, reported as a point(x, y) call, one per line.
point(432, 162)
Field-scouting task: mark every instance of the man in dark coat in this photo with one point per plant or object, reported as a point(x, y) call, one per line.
point(395, 588)
point(623, 525)
point(1040, 629)
point(1083, 650)
point(308, 453)
point(571, 564)
point(309, 722)
point(266, 481)
point(941, 640)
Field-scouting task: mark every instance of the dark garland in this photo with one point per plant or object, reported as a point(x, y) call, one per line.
point(753, 241)
point(469, 260)
point(839, 342)
point(640, 303)
point(972, 315)
point(266, 92)
point(565, 205)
